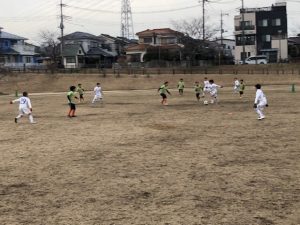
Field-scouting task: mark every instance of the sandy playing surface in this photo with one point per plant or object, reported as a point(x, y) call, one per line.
point(133, 161)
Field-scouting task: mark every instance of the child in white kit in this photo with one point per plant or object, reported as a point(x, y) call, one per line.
point(260, 102)
point(25, 107)
point(236, 85)
point(213, 90)
point(98, 93)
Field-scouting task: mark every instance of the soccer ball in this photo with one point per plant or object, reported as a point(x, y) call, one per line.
point(205, 102)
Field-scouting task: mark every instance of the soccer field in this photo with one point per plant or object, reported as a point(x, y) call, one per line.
point(134, 161)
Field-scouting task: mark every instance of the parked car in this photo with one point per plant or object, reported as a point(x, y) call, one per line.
point(259, 59)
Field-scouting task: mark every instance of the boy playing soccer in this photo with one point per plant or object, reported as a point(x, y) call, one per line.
point(98, 93)
point(236, 85)
point(206, 87)
point(213, 88)
point(242, 88)
point(163, 90)
point(80, 91)
point(25, 107)
point(260, 102)
point(180, 86)
point(71, 100)
point(198, 90)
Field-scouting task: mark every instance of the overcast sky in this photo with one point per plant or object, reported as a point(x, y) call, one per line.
point(27, 17)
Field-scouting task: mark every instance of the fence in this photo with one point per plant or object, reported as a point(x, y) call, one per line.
point(135, 71)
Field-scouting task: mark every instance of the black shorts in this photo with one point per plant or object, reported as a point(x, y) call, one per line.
point(72, 106)
point(198, 95)
point(241, 92)
point(81, 96)
point(163, 95)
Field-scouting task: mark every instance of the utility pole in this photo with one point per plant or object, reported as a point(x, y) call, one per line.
point(222, 31)
point(62, 27)
point(243, 33)
point(203, 18)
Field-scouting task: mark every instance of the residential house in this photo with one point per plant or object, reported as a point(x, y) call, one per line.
point(160, 43)
point(15, 52)
point(228, 46)
point(265, 32)
point(294, 48)
point(86, 50)
point(115, 44)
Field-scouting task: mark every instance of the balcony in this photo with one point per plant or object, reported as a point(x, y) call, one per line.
point(246, 27)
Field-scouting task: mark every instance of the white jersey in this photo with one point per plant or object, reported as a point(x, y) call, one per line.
point(25, 103)
point(98, 91)
point(260, 97)
point(237, 83)
point(206, 86)
point(213, 88)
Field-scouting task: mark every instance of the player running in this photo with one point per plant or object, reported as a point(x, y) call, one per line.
point(236, 85)
point(260, 102)
point(198, 89)
point(242, 88)
point(163, 90)
point(213, 90)
point(25, 107)
point(98, 93)
point(80, 91)
point(180, 86)
point(71, 101)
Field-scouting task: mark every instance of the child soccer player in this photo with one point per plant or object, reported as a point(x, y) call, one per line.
point(25, 107)
point(213, 88)
point(163, 90)
point(242, 88)
point(71, 100)
point(180, 86)
point(236, 85)
point(206, 86)
point(80, 91)
point(260, 102)
point(98, 93)
point(198, 90)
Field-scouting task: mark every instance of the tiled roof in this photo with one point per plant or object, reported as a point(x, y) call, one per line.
point(161, 31)
point(8, 51)
point(81, 35)
point(295, 40)
point(100, 51)
point(144, 47)
point(5, 35)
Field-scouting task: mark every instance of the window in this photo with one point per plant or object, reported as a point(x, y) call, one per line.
point(70, 60)
point(94, 44)
point(79, 52)
point(148, 40)
point(2, 59)
point(263, 23)
point(276, 22)
point(27, 59)
point(266, 38)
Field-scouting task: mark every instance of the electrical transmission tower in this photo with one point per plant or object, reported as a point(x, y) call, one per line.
point(127, 30)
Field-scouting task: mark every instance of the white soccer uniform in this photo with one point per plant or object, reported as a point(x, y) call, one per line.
point(24, 108)
point(206, 86)
point(98, 94)
point(213, 90)
point(236, 86)
point(261, 102)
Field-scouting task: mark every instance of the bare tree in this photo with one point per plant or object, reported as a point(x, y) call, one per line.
point(193, 28)
point(50, 46)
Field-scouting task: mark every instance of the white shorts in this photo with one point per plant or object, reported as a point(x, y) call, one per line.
point(213, 94)
point(23, 111)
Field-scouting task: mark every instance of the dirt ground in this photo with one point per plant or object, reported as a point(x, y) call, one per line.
point(132, 161)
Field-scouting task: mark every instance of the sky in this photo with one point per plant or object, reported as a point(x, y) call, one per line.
point(27, 18)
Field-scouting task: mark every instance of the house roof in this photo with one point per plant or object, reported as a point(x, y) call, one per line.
point(81, 35)
point(295, 40)
point(160, 31)
point(5, 35)
point(71, 50)
point(144, 47)
point(100, 51)
point(8, 51)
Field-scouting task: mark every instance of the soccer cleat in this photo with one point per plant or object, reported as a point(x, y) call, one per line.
point(33, 122)
point(16, 120)
point(261, 118)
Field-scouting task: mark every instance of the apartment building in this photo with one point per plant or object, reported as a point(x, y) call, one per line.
point(265, 33)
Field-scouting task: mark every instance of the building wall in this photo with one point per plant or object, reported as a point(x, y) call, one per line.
point(249, 49)
point(282, 46)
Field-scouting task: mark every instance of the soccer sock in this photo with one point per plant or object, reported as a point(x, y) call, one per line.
point(19, 116)
point(31, 118)
point(73, 113)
